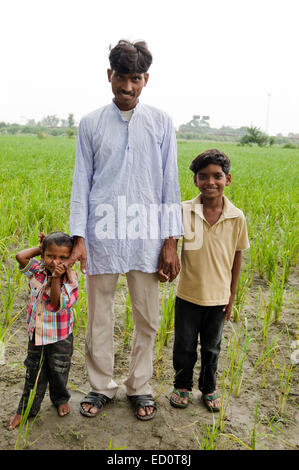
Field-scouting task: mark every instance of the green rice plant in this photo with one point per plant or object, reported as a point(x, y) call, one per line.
point(210, 437)
point(80, 310)
point(277, 294)
point(111, 446)
point(8, 292)
point(128, 321)
point(24, 428)
point(285, 386)
point(266, 308)
point(241, 295)
point(236, 354)
point(253, 434)
point(166, 327)
point(267, 360)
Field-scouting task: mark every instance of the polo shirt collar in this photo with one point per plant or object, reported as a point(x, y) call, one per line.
point(229, 210)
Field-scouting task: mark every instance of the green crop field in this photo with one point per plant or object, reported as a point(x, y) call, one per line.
point(35, 180)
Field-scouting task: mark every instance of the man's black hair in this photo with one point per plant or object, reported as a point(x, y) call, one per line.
point(130, 57)
point(59, 239)
point(209, 156)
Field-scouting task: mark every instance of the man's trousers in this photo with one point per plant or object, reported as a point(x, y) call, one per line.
point(99, 349)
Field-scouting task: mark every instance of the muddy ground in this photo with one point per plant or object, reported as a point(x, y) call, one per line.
point(172, 429)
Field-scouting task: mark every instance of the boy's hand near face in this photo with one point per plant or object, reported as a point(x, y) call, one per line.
point(58, 272)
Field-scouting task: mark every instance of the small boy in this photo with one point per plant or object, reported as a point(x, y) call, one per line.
point(53, 293)
point(211, 263)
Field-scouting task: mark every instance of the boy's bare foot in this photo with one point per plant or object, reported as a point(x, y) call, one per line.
point(63, 409)
point(14, 422)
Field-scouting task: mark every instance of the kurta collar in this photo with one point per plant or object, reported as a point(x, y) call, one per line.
point(134, 109)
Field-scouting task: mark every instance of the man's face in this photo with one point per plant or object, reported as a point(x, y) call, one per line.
point(211, 181)
point(126, 88)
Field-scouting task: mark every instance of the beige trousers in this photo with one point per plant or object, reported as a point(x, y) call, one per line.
point(99, 348)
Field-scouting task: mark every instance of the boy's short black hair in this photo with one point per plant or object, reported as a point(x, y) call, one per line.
point(209, 156)
point(59, 239)
point(130, 57)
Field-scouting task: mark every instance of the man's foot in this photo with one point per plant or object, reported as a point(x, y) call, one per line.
point(212, 401)
point(93, 403)
point(179, 398)
point(14, 422)
point(144, 406)
point(147, 410)
point(63, 409)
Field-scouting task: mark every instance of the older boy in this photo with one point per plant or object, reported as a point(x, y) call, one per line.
point(126, 166)
point(211, 263)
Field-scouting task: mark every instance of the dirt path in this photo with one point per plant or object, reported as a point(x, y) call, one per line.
point(172, 429)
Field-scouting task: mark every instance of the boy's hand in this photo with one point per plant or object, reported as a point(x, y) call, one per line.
point(59, 270)
point(41, 238)
point(228, 308)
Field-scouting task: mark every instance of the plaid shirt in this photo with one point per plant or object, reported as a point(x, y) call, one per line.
point(50, 324)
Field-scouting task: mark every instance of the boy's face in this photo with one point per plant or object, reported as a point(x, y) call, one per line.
point(211, 181)
point(126, 88)
point(55, 255)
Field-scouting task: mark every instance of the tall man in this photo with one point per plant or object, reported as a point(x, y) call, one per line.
point(125, 218)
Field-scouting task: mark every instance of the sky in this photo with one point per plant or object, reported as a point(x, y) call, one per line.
point(233, 60)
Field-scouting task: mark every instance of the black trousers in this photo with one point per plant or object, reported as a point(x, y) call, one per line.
point(52, 362)
point(191, 321)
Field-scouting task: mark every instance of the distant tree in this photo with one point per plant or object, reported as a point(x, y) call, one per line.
point(31, 123)
point(50, 121)
point(254, 136)
point(71, 121)
point(63, 122)
point(70, 132)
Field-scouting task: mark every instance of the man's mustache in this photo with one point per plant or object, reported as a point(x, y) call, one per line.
point(130, 93)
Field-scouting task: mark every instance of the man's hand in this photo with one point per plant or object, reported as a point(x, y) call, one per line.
point(78, 254)
point(168, 264)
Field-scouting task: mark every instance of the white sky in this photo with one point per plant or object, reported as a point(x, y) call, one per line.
point(221, 58)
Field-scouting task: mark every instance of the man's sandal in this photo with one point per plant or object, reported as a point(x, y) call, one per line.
point(94, 399)
point(141, 401)
point(209, 399)
point(180, 395)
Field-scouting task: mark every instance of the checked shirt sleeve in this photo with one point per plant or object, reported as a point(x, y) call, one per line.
point(31, 268)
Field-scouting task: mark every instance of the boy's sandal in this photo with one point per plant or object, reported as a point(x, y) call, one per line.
point(94, 399)
point(141, 401)
point(181, 395)
point(209, 399)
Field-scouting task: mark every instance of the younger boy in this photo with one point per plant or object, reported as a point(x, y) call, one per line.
point(53, 293)
point(211, 263)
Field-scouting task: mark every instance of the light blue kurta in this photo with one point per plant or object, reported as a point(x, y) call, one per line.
point(125, 181)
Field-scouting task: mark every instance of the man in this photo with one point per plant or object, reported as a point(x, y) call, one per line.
point(125, 218)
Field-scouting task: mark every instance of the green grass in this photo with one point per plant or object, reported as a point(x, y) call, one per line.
point(36, 178)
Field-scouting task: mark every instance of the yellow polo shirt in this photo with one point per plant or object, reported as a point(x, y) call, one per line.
point(208, 253)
